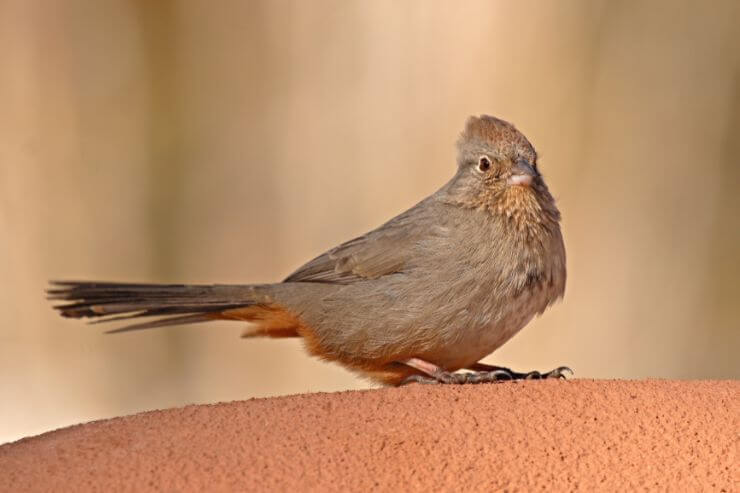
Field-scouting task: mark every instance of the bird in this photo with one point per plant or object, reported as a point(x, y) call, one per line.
point(422, 298)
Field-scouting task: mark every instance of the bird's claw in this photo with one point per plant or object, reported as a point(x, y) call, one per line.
point(559, 372)
point(446, 377)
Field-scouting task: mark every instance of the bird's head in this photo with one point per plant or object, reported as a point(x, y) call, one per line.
point(497, 170)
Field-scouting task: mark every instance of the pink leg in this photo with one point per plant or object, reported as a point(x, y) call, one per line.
point(436, 374)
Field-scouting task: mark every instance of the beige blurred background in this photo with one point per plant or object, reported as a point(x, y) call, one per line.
point(231, 141)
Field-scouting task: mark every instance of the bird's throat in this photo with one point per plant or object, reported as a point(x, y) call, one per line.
point(525, 208)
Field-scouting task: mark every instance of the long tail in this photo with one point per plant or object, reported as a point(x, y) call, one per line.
point(176, 304)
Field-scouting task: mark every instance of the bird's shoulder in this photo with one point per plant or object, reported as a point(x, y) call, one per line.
point(388, 249)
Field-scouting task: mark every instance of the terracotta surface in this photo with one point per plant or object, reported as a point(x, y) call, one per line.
point(574, 435)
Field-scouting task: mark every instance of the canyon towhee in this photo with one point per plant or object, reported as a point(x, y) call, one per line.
point(430, 292)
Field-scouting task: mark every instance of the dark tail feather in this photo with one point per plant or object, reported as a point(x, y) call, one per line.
point(176, 303)
point(162, 322)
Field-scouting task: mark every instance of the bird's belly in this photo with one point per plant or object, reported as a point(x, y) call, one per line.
point(475, 339)
point(475, 343)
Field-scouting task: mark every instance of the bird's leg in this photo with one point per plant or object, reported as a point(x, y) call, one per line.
point(435, 374)
point(558, 372)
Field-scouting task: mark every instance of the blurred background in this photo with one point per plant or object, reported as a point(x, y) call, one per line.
point(229, 142)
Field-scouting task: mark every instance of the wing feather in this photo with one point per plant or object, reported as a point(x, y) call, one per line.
point(381, 252)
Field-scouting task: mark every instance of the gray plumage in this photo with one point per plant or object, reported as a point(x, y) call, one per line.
point(448, 281)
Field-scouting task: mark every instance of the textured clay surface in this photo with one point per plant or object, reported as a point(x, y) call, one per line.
point(550, 435)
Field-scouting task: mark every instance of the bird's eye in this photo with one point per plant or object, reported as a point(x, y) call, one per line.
point(484, 164)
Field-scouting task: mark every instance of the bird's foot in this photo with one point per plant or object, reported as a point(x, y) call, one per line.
point(480, 373)
point(559, 372)
point(435, 374)
point(458, 378)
